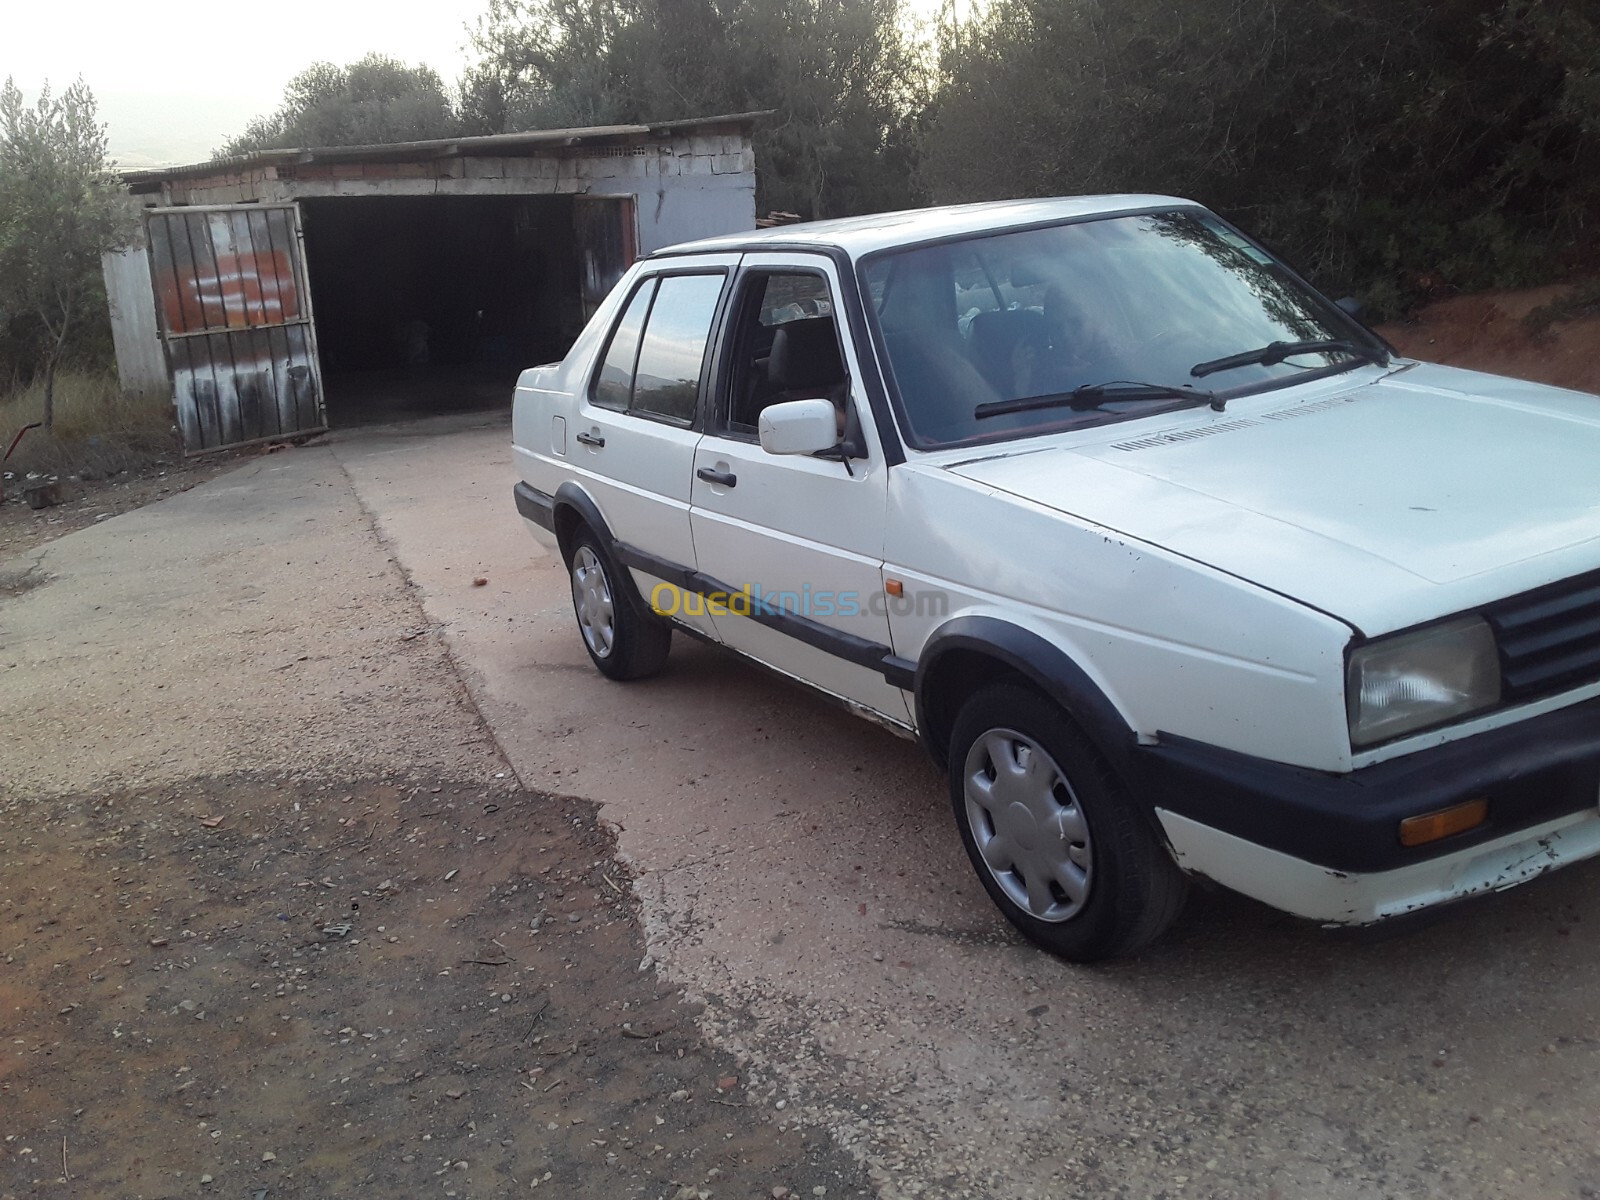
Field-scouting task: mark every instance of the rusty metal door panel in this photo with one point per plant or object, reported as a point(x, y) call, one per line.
point(235, 315)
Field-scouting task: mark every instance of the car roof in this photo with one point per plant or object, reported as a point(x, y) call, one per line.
point(859, 236)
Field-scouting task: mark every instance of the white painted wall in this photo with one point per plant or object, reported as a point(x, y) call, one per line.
point(691, 207)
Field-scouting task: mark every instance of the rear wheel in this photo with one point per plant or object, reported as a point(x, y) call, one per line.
point(623, 641)
point(1052, 833)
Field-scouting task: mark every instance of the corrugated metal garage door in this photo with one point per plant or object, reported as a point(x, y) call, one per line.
point(235, 313)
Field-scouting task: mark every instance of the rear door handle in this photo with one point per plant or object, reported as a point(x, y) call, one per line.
point(592, 439)
point(722, 478)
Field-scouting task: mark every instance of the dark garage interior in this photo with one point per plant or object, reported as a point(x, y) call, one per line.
point(433, 304)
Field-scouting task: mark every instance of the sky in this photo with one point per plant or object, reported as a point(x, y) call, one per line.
point(174, 81)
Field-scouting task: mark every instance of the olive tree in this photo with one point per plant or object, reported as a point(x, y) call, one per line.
point(61, 209)
point(1393, 146)
point(840, 78)
point(373, 100)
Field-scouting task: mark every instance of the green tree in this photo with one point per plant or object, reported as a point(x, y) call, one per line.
point(1394, 145)
point(545, 64)
point(840, 77)
point(844, 85)
point(61, 209)
point(375, 100)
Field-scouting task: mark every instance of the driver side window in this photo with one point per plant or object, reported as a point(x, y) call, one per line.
point(785, 347)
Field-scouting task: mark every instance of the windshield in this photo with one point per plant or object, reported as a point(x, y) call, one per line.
point(1119, 300)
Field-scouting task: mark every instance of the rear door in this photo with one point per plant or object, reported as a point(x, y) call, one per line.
point(636, 425)
point(796, 540)
point(235, 313)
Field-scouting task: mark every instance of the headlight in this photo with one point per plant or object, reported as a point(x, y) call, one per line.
point(1416, 680)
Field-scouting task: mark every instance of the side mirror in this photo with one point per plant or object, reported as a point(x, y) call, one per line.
point(798, 427)
point(1351, 307)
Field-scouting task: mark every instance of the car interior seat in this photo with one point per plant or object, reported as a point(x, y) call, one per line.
point(805, 363)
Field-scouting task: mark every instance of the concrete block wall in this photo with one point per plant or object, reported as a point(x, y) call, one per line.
point(646, 168)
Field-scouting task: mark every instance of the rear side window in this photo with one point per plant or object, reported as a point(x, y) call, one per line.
point(653, 362)
point(614, 385)
point(667, 381)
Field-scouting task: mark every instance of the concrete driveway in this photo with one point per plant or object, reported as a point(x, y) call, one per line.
point(798, 868)
point(801, 873)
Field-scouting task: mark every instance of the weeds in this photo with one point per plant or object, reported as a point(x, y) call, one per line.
point(97, 431)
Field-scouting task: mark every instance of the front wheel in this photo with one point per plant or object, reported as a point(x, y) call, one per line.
point(623, 643)
point(1052, 833)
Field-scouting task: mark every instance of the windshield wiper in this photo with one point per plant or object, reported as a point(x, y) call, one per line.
point(1091, 395)
point(1278, 351)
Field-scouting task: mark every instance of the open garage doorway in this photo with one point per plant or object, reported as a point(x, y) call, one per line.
point(426, 305)
point(280, 292)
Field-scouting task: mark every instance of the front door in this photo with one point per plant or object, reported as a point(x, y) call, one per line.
point(231, 293)
point(797, 540)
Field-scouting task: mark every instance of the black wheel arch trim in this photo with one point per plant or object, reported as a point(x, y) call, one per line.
point(1043, 664)
point(1532, 771)
point(572, 497)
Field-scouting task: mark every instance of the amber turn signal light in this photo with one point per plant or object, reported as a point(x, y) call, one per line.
point(1430, 827)
point(894, 587)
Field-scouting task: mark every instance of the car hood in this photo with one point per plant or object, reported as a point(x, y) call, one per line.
point(1383, 500)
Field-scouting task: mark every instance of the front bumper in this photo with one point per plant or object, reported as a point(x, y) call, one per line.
point(1327, 846)
point(1340, 898)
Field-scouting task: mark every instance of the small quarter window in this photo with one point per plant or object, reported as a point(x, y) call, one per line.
point(667, 381)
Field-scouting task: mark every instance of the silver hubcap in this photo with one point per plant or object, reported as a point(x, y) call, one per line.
point(1030, 831)
point(591, 597)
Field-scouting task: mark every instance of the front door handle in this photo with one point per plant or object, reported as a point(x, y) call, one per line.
point(592, 439)
point(721, 478)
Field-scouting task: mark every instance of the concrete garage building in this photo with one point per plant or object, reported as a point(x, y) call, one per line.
point(277, 294)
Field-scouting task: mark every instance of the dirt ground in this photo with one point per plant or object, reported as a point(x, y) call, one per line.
point(248, 986)
point(1485, 332)
point(88, 501)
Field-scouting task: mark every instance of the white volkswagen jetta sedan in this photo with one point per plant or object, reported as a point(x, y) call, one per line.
point(1173, 565)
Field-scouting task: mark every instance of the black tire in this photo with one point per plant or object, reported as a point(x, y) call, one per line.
point(638, 640)
point(1125, 888)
